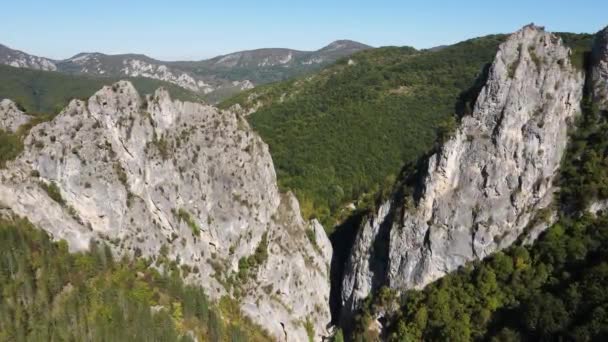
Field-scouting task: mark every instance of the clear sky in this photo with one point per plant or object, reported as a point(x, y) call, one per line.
point(189, 29)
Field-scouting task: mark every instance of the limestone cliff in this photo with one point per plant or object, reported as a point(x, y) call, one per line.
point(485, 185)
point(155, 177)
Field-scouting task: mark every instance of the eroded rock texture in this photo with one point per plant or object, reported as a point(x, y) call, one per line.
point(488, 181)
point(153, 176)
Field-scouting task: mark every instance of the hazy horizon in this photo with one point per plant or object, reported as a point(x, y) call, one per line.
point(194, 30)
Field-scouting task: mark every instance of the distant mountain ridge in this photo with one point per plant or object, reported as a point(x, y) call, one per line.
point(20, 59)
point(280, 56)
point(216, 78)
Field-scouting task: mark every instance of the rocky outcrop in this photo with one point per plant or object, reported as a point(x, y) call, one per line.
point(139, 68)
point(365, 255)
point(486, 184)
point(179, 181)
point(11, 117)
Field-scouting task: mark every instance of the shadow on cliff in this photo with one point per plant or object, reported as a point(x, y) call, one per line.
point(342, 241)
point(467, 99)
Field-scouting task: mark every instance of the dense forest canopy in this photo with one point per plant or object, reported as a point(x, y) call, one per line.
point(48, 294)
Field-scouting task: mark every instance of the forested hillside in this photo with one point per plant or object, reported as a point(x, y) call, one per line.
point(49, 294)
point(348, 130)
point(48, 92)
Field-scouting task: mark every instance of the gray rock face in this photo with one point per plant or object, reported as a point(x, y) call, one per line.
point(599, 69)
point(11, 117)
point(485, 185)
point(156, 176)
point(358, 280)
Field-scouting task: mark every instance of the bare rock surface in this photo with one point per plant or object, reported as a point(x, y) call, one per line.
point(11, 117)
point(488, 181)
point(161, 178)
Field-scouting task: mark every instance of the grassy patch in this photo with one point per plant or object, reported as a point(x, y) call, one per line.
point(53, 191)
point(537, 62)
point(185, 216)
point(310, 330)
point(121, 173)
point(250, 263)
point(11, 145)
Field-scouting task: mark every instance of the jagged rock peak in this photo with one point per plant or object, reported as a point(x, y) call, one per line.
point(120, 98)
point(11, 117)
point(532, 26)
point(484, 186)
point(179, 180)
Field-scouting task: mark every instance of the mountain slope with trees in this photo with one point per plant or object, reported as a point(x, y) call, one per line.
point(49, 294)
point(48, 92)
point(348, 130)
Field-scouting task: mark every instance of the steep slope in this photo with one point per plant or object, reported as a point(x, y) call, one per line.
point(346, 131)
point(488, 181)
point(178, 181)
point(19, 59)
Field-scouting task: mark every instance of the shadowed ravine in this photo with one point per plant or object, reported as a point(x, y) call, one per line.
point(342, 241)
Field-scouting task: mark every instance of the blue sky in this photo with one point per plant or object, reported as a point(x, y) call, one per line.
point(188, 29)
